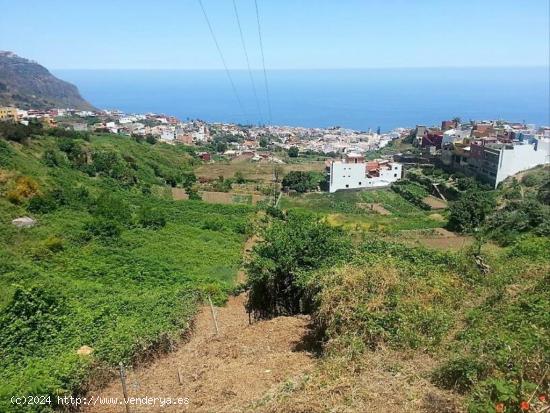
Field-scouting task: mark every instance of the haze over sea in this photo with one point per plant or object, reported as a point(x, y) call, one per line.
point(354, 98)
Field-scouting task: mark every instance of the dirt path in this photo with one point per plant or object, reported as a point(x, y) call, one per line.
point(222, 373)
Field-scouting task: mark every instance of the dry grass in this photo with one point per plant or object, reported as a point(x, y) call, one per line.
point(381, 381)
point(222, 373)
point(212, 197)
point(435, 203)
point(257, 171)
point(379, 208)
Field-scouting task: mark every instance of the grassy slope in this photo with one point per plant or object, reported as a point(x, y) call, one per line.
point(431, 314)
point(118, 296)
point(344, 208)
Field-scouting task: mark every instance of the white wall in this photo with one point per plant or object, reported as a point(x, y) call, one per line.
point(354, 175)
point(522, 157)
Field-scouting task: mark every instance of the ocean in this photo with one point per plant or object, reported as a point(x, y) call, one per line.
point(361, 99)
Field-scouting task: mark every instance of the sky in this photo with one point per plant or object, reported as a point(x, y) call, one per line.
point(297, 34)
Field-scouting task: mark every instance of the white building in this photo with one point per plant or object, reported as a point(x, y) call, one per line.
point(455, 135)
point(353, 173)
point(520, 157)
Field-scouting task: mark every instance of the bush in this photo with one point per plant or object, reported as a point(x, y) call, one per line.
point(54, 244)
point(300, 181)
point(460, 374)
point(151, 218)
point(293, 152)
point(290, 248)
point(103, 228)
point(112, 207)
point(42, 204)
point(25, 188)
point(469, 212)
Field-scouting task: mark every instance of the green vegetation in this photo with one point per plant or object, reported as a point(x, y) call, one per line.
point(112, 262)
point(301, 181)
point(486, 325)
point(352, 209)
point(293, 152)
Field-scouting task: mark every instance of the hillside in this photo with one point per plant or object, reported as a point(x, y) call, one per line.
point(409, 328)
point(351, 309)
point(26, 84)
point(112, 264)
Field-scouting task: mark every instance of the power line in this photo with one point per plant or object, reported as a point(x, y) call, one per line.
point(263, 61)
point(222, 59)
point(247, 61)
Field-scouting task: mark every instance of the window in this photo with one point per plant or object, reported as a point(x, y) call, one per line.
point(347, 186)
point(359, 183)
point(395, 175)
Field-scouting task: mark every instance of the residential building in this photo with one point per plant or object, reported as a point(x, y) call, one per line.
point(353, 172)
point(492, 160)
point(8, 114)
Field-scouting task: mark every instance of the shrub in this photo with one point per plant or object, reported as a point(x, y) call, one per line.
point(469, 212)
point(25, 188)
point(290, 248)
point(112, 207)
point(42, 204)
point(103, 228)
point(151, 218)
point(460, 374)
point(33, 318)
point(300, 181)
point(54, 244)
point(530, 180)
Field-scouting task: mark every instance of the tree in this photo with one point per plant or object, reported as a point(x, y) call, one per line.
point(301, 181)
point(293, 152)
point(289, 249)
point(263, 142)
point(469, 212)
point(188, 179)
point(277, 172)
point(151, 218)
point(239, 178)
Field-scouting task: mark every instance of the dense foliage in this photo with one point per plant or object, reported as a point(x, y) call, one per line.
point(301, 181)
point(291, 247)
point(112, 262)
point(487, 325)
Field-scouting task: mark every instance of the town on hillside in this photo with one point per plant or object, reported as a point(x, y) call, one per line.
point(490, 151)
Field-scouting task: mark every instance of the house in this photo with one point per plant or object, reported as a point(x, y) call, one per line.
point(352, 172)
point(432, 137)
point(455, 135)
point(205, 156)
point(492, 160)
point(448, 124)
point(8, 114)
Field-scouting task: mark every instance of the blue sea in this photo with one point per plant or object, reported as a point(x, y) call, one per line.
point(358, 99)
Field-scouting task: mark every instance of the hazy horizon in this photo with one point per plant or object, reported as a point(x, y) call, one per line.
point(304, 34)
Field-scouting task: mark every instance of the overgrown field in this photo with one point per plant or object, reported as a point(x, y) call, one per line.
point(257, 171)
point(469, 328)
point(111, 263)
point(352, 209)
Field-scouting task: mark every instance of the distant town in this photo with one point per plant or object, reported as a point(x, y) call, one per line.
point(489, 150)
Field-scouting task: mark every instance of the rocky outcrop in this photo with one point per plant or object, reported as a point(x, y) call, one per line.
point(26, 84)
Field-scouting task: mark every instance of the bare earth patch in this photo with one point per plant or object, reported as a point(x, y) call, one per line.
point(211, 197)
point(435, 203)
point(439, 238)
point(374, 207)
point(221, 373)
